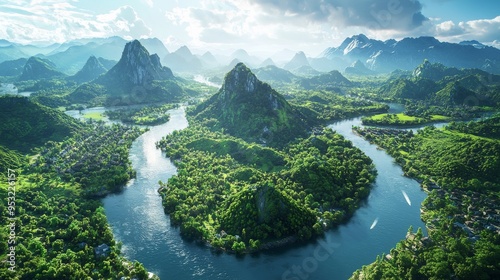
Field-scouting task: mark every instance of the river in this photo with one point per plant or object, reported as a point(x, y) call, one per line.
point(138, 221)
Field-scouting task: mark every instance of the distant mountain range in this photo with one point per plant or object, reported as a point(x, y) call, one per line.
point(355, 53)
point(406, 54)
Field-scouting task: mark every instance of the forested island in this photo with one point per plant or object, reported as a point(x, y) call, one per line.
point(243, 196)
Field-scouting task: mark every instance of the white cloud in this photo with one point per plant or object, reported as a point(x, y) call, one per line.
point(483, 30)
point(243, 24)
point(58, 21)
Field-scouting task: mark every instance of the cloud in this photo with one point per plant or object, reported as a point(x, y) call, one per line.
point(483, 30)
point(59, 21)
point(375, 14)
point(243, 24)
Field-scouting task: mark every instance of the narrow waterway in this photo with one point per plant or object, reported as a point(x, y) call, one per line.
point(138, 221)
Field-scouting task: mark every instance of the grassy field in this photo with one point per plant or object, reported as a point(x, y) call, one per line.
point(94, 115)
point(401, 119)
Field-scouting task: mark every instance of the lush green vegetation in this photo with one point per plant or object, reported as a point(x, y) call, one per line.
point(96, 158)
point(243, 197)
point(26, 124)
point(459, 168)
point(440, 85)
point(148, 115)
point(401, 119)
point(489, 127)
point(325, 106)
point(51, 166)
point(57, 232)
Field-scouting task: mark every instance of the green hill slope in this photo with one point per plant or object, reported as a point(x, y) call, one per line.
point(248, 108)
point(25, 124)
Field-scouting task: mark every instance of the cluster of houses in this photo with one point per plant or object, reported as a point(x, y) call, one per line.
point(72, 156)
point(476, 211)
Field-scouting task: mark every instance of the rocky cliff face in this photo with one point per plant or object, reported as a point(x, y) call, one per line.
point(137, 67)
point(248, 108)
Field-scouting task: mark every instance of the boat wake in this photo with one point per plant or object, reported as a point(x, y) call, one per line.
point(375, 222)
point(406, 197)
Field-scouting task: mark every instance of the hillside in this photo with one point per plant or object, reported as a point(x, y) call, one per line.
point(272, 73)
point(248, 108)
point(38, 68)
point(26, 124)
point(328, 80)
point(91, 70)
point(12, 67)
point(445, 85)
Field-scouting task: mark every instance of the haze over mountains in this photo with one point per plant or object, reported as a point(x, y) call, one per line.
point(357, 55)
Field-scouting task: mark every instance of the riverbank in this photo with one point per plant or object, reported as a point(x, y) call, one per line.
point(138, 221)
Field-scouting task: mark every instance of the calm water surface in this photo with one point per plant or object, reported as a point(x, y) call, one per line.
point(137, 219)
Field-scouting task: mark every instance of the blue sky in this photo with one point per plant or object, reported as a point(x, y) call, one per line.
point(256, 25)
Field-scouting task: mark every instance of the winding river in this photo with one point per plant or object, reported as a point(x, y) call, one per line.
point(138, 221)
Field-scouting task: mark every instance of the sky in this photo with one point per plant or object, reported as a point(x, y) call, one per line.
point(258, 26)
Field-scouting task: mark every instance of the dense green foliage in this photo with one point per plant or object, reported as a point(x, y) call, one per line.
point(327, 106)
point(441, 85)
point(489, 127)
point(452, 159)
point(9, 159)
point(96, 158)
point(148, 115)
point(228, 191)
point(56, 233)
point(26, 124)
point(57, 227)
point(460, 170)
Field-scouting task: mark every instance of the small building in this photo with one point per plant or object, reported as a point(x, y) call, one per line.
point(102, 250)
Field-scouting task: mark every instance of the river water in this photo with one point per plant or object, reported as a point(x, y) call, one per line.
point(138, 221)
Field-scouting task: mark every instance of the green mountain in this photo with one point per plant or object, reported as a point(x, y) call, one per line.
point(328, 80)
point(91, 70)
point(434, 71)
point(272, 73)
point(137, 78)
point(135, 68)
point(419, 89)
point(12, 67)
point(250, 109)
point(26, 125)
point(359, 69)
point(38, 68)
point(454, 93)
point(445, 85)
